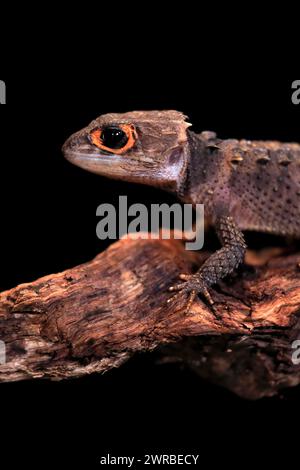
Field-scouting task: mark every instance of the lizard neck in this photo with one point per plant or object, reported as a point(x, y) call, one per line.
point(203, 172)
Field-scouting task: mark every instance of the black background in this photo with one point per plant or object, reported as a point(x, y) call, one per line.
point(48, 224)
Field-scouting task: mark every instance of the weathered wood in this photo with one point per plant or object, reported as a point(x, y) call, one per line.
point(95, 316)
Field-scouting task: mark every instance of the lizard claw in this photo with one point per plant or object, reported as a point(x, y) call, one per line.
point(193, 285)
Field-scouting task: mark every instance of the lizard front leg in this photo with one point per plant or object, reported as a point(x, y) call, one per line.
point(217, 266)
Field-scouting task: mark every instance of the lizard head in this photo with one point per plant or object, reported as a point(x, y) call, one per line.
point(148, 147)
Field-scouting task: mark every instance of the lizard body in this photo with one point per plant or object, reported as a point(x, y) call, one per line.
point(244, 185)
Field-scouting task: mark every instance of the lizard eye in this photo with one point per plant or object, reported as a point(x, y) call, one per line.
point(114, 139)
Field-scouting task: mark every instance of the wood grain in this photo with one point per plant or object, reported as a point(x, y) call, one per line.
point(96, 316)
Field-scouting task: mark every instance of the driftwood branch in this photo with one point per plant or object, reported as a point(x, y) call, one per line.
point(95, 316)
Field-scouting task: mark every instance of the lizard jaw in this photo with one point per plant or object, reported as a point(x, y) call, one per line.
point(109, 166)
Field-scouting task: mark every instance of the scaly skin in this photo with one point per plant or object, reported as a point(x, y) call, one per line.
point(243, 185)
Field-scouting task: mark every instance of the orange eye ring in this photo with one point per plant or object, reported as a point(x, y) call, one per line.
point(96, 137)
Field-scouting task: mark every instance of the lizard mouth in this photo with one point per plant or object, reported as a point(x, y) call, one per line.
point(71, 156)
point(107, 165)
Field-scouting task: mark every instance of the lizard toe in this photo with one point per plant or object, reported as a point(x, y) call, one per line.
point(193, 286)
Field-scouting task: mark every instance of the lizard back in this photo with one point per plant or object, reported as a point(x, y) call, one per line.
point(257, 182)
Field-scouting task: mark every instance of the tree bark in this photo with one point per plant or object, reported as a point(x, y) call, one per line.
point(96, 316)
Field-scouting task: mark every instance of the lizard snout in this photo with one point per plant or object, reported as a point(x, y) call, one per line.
point(78, 146)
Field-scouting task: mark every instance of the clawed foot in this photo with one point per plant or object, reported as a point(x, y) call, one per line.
point(193, 285)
